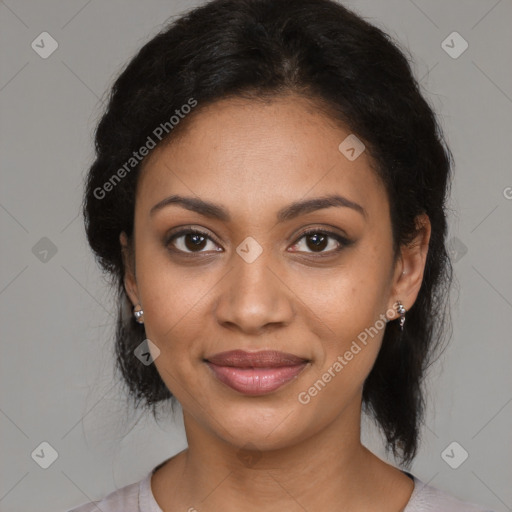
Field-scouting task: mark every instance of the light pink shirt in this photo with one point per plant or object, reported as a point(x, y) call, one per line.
point(138, 497)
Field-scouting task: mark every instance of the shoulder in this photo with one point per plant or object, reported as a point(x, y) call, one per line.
point(426, 498)
point(125, 499)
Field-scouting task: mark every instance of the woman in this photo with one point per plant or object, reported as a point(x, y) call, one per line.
point(268, 196)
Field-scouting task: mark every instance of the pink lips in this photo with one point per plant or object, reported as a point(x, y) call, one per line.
point(255, 373)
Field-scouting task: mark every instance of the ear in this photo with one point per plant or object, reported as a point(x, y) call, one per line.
point(410, 266)
point(130, 283)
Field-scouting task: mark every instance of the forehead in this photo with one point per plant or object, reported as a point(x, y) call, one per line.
point(252, 154)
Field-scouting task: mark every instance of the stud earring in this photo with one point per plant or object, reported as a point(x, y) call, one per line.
point(138, 313)
point(401, 311)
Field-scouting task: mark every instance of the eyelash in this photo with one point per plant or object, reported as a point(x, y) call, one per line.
point(344, 242)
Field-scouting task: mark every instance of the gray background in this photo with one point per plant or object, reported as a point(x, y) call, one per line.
point(57, 313)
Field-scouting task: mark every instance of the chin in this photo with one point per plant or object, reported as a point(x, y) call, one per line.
point(264, 427)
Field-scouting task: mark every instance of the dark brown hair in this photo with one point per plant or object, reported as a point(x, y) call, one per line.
point(264, 48)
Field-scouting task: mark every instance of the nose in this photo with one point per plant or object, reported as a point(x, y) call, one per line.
point(254, 297)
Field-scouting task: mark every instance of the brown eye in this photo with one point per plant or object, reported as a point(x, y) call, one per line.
point(319, 241)
point(193, 241)
point(190, 241)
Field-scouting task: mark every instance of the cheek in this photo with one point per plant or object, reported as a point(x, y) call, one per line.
point(175, 329)
point(349, 318)
point(351, 297)
point(346, 356)
point(167, 291)
point(174, 299)
point(337, 386)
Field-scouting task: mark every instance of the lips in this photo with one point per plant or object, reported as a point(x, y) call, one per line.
point(263, 359)
point(255, 373)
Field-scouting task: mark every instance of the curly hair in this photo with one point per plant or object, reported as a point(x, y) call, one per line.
point(358, 76)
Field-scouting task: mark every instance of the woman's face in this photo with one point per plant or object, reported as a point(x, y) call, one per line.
point(249, 176)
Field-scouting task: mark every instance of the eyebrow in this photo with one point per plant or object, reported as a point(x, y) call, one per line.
point(216, 211)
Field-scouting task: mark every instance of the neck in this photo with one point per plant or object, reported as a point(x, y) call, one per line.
point(328, 468)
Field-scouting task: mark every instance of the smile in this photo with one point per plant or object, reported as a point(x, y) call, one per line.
point(255, 373)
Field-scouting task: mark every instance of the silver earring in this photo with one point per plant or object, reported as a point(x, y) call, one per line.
point(401, 311)
point(138, 313)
